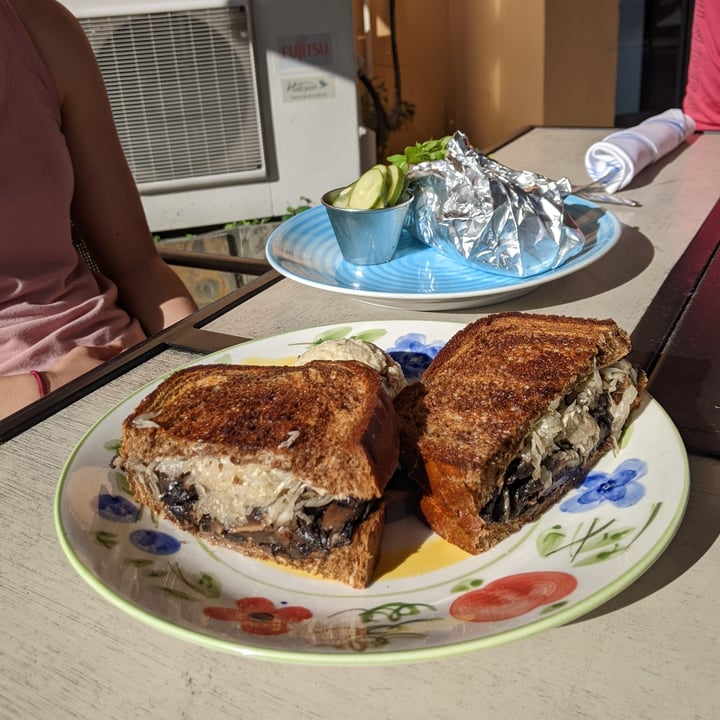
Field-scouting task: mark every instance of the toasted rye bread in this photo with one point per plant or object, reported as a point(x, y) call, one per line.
point(328, 427)
point(467, 419)
point(346, 444)
point(352, 564)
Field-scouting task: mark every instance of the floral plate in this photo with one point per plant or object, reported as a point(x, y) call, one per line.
point(428, 599)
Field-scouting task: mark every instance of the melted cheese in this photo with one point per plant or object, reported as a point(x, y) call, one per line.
point(571, 422)
point(236, 495)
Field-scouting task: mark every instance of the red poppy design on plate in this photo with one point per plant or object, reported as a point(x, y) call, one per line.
point(259, 615)
point(511, 596)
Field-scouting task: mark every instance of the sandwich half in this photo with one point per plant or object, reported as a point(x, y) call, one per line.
point(510, 415)
point(280, 463)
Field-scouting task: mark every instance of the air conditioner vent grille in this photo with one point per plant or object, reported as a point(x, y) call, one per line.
point(183, 91)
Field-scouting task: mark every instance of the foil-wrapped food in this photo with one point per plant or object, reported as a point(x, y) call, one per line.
point(510, 222)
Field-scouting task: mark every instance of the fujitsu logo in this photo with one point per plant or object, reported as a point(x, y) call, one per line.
point(302, 48)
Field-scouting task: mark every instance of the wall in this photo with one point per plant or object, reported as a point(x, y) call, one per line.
point(498, 67)
point(493, 67)
point(422, 38)
point(581, 42)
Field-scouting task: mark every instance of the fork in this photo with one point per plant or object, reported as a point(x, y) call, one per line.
point(605, 199)
point(599, 184)
point(593, 191)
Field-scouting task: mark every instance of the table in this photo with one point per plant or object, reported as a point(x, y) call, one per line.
point(651, 652)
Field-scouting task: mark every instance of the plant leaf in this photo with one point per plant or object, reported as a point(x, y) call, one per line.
point(334, 334)
point(604, 539)
point(466, 585)
point(599, 557)
point(370, 335)
point(550, 540)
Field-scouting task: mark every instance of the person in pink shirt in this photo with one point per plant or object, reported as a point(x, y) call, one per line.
point(62, 166)
point(702, 90)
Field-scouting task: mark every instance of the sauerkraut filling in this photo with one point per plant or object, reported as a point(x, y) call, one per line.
point(252, 502)
point(558, 448)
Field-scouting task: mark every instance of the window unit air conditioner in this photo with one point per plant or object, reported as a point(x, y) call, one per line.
point(229, 109)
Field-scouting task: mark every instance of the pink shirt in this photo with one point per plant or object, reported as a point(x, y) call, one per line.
point(702, 92)
point(50, 301)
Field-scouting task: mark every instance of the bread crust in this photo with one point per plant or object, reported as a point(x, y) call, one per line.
point(352, 564)
point(467, 418)
point(331, 423)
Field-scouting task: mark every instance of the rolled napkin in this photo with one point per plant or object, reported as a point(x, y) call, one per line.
point(623, 154)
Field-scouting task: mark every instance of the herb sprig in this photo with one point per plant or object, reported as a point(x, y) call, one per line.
point(420, 152)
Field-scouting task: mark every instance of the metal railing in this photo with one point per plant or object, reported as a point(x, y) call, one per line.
point(212, 261)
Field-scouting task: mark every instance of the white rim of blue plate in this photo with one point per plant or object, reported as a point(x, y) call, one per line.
point(304, 249)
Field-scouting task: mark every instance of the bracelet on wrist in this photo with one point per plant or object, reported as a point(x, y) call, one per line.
point(40, 382)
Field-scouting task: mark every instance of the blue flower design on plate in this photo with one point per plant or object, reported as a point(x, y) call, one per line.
point(154, 542)
point(621, 488)
point(414, 353)
point(116, 508)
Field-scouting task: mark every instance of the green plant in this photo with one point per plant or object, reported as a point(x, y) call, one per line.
point(254, 221)
point(296, 210)
point(373, 102)
point(376, 114)
point(290, 212)
point(421, 152)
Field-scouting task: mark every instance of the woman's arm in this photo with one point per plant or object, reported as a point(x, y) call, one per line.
point(106, 208)
point(17, 391)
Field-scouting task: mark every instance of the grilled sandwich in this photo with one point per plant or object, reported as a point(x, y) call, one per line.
point(280, 463)
point(510, 415)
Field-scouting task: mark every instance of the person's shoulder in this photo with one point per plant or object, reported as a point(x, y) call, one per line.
point(58, 37)
point(46, 17)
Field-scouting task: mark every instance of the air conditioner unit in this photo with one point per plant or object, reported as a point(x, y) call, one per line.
point(229, 109)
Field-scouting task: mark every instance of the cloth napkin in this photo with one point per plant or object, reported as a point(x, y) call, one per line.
point(627, 152)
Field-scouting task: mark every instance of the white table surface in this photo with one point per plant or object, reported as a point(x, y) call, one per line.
point(677, 193)
point(651, 652)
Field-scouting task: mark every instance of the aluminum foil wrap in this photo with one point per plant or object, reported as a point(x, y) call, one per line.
point(504, 221)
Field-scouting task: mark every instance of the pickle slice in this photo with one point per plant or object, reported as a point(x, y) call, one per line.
point(342, 198)
point(395, 184)
point(368, 190)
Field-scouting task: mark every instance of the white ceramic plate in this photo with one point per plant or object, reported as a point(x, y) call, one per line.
point(304, 249)
point(428, 599)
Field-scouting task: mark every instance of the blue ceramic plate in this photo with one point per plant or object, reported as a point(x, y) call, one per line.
point(304, 249)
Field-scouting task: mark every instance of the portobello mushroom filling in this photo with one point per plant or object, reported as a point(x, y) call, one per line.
point(560, 447)
point(251, 503)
